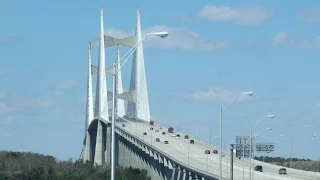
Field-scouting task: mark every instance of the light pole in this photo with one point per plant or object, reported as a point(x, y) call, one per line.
point(222, 110)
point(251, 128)
point(263, 129)
point(114, 77)
point(258, 134)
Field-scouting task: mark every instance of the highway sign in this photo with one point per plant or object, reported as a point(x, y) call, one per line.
point(267, 147)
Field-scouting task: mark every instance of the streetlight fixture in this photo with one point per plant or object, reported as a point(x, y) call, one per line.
point(258, 134)
point(251, 137)
point(115, 72)
point(222, 110)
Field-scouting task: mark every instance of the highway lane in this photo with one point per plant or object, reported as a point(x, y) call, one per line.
point(197, 159)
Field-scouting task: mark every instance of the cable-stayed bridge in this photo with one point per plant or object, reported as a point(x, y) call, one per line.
point(142, 145)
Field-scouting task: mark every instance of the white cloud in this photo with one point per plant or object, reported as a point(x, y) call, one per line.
point(4, 108)
point(2, 95)
point(215, 94)
point(7, 119)
point(58, 110)
point(21, 102)
point(179, 38)
point(308, 126)
point(64, 86)
point(284, 38)
point(239, 15)
point(280, 38)
point(310, 15)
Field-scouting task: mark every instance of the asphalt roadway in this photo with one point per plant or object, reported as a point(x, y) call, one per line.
point(194, 157)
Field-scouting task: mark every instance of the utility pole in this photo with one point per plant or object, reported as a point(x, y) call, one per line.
point(290, 153)
point(231, 162)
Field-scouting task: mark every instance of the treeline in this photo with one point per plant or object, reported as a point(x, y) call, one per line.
point(302, 164)
point(279, 159)
point(32, 166)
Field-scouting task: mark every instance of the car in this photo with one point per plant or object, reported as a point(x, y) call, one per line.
point(163, 133)
point(282, 171)
point(166, 142)
point(157, 139)
point(173, 135)
point(151, 128)
point(186, 137)
point(157, 130)
point(207, 152)
point(258, 168)
point(144, 133)
point(178, 135)
point(191, 141)
point(215, 151)
point(123, 125)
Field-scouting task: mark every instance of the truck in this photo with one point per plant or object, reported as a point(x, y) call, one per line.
point(151, 122)
point(170, 129)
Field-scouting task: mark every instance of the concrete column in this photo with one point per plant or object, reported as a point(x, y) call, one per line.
point(192, 176)
point(98, 157)
point(87, 148)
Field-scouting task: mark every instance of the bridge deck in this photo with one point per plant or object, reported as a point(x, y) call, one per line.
point(194, 157)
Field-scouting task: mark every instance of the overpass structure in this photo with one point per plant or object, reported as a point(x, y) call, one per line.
point(142, 145)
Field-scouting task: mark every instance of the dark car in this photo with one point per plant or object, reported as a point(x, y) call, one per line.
point(144, 133)
point(282, 171)
point(157, 130)
point(157, 140)
point(178, 135)
point(191, 141)
point(163, 133)
point(215, 151)
point(151, 128)
point(207, 152)
point(166, 142)
point(123, 125)
point(258, 168)
point(186, 137)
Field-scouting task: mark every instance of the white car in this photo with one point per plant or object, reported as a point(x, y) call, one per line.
point(177, 137)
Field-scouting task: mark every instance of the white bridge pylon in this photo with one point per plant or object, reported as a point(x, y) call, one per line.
point(137, 96)
point(97, 145)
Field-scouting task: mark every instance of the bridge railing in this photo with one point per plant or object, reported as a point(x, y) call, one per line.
point(171, 158)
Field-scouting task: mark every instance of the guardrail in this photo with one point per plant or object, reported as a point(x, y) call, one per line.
point(169, 157)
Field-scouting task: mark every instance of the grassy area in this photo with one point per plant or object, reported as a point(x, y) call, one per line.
point(303, 164)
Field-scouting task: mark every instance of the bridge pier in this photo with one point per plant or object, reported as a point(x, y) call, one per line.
point(98, 155)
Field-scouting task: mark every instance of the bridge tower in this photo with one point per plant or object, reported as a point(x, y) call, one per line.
point(138, 82)
point(101, 105)
point(98, 128)
point(98, 136)
point(89, 111)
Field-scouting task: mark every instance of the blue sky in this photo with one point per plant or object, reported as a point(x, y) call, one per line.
point(215, 50)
